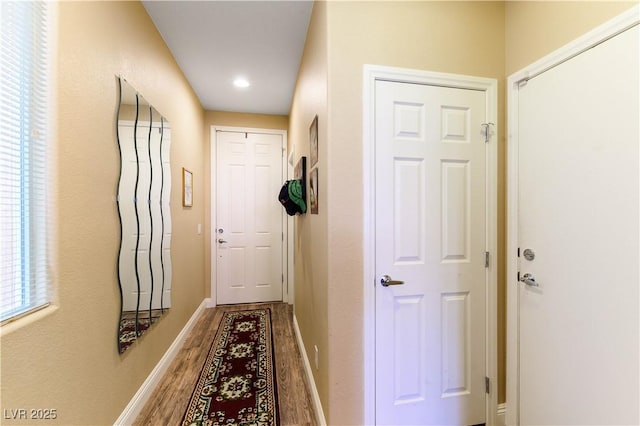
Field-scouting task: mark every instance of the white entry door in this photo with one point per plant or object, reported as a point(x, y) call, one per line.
point(249, 231)
point(431, 235)
point(578, 216)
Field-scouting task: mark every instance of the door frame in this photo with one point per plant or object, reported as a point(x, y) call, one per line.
point(594, 37)
point(371, 74)
point(287, 255)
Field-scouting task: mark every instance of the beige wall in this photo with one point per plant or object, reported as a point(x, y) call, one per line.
point(240, 119)
point(228, 119)
point(67, 359)
point(311, 231)
point(536, 28)
point(454, 37)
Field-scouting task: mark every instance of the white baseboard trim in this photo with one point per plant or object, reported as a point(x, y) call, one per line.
point(135, 406)
point(500, 418)
point(317, 405)
point(209, 302)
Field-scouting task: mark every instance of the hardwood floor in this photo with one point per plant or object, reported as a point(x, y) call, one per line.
point(169, 401)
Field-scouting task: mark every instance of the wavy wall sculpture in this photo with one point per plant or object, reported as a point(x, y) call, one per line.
point(144, 192)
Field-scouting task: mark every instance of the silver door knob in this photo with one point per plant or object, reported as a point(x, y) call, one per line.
point(221, 241)
point(386, 281)
point(529, 280)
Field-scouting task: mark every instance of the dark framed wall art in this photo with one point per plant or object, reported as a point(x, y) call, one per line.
point(313, 142)
point(313, 191)
point(187, 188)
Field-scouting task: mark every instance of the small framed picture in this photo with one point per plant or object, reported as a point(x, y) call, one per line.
point(187, 188)
point(313, 191)
point(313, 141)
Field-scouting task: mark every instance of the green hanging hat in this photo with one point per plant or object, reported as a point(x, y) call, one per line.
point(295, 194)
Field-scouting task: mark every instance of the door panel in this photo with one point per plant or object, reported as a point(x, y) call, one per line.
point(455, 216)
point(249, 236)
point(578, 212)
point(456, 355)
point(431, 234)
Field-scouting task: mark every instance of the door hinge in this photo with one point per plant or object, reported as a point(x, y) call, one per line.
point(518, 276)
point(486, 259)
point(486, 127)
point(518, 251)
point(487, 385)
point(282, 276)
point(283, 236)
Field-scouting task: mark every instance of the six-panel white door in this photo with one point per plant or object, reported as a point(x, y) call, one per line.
point(430, 157)
point(578, 136)
point(249, 232)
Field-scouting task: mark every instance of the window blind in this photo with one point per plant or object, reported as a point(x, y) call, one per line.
point(24, 94)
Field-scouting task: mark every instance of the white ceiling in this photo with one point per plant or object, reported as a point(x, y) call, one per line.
point(215, 42)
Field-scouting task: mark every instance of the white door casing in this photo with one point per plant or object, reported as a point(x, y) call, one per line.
point(573, 199)
point(433, 199)
point(248, 237)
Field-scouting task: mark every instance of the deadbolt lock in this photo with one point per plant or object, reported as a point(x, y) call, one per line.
point(529, 254)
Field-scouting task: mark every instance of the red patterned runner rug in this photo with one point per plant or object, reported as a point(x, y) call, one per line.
point(237, 384)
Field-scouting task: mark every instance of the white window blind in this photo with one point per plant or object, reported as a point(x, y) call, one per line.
point(24, 95)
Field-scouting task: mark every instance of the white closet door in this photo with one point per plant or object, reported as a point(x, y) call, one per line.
point(578, 215)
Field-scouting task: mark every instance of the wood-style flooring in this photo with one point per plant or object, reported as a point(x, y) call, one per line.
point(167, 404)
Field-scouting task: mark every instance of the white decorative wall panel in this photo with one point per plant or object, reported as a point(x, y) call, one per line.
point(238, 278)
point(263, 266)
point(455, 124)
point(262, 149)
point(455, 216)
point(263, 199)
point(456, 355)
point(237, 198)
point(238, 148)
point(409, 121)
point(408, 328)
point(408, 214)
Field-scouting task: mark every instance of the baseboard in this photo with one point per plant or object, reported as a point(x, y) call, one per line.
point(317, 405)
point(135, 406)
point(500, 418)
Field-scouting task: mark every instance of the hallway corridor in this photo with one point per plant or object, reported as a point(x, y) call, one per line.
point(169, 401)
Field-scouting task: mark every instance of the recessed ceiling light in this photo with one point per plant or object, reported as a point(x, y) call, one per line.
point(241, 82)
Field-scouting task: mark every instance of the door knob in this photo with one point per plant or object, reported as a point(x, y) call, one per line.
point(529, 280)
point(386, 281)
point(221, 241)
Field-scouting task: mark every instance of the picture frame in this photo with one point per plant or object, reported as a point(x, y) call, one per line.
point(313, 191)
point(313, 142)
point(187, 188)
point(300, 172)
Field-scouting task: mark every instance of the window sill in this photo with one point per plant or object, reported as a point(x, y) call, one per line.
point(26, 320)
